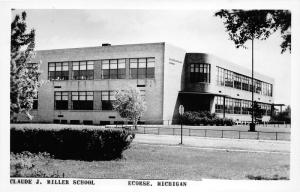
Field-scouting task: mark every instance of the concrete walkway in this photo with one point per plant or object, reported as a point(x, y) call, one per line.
point(269, 146)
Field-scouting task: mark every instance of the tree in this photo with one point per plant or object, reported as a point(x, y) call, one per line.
point(130, 104)
point(24, 76)
point(258, 112)
point(244, 25)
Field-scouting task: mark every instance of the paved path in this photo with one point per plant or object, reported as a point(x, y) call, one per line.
point(217, 143)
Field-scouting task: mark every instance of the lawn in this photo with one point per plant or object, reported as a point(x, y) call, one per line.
point(143, 161)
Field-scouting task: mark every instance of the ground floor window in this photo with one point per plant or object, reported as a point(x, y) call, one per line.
point(107, 98)
point(238, 106)
point(82, 100)
point(219, 104)
point(61, 100)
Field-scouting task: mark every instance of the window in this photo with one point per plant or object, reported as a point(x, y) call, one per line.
point(228, 105)
point(83, 100)
point(142, 68)
point(246, 107)
point(245, 83)
point(231, 79)
point(58, 71)
point(237, 80)
point(83, 70)
point(200, 72)
point(61, 100)
point(35, 102)
point(237, 106)
point(113, 69)
point(107, 97)
point(219, 104)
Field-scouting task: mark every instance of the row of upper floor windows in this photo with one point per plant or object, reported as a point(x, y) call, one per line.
point(232, 79)
point(139, 68)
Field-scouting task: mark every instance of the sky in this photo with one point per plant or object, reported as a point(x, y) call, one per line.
point(192, 30)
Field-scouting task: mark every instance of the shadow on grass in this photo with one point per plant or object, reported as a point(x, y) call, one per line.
point(259, 177)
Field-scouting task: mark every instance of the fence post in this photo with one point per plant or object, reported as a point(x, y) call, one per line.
point(276, 135)
point(189, 132)
point(144, 130)
point(222, 133)
point(173, 131)
point(204, 132)
point(257, 135)
point(239, 134)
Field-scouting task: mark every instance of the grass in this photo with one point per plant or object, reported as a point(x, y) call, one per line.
point(143, 161)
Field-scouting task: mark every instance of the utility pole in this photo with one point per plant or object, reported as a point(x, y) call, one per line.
point(252, 124)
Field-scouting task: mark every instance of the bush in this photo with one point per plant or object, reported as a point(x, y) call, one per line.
point(71, 141)
point(204, 118)
point(27, 164)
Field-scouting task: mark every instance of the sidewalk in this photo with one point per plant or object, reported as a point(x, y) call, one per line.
point(216, 143)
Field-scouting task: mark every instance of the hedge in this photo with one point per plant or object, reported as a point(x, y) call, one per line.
point(71, 141)
point(204, 118)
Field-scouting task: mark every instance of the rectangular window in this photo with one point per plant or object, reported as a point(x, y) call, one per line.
point(107, 97)
point(231, 79)
point(35, 102)
point(58, 71)
point(219, 104)
point(113, 69)
point(237, 106)
point(83, 100)
point(83, 70)
point(200, 72)
point(142, 68)
point(61, 100)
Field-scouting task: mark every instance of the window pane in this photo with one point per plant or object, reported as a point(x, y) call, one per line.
point(90, 65)
point(142, 65)
point(58, 66)
point(133, 65)
point(150, 62)
point(104, 95)
point(82, 65)
point(113, 66)
point(75, 65)
point(121, 65)
point(65, 66)
point(105, 66)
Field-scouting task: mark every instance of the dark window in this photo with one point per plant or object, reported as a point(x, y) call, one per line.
point(76, 122)
point(237, 81)
point(87, 122)
point(113, 69)
point(35, 102)
point(83, 70)
point(83, 100)
point(56, 121)
point(107, 97)
point(104, 122)
point(61, 100)
point(200, 72)
point(142, 68)
point(58, 71)
point(219, 104)
point(237, 106)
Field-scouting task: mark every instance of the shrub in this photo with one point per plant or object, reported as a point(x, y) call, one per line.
point(28, 164)
point(204, 118)
point(71, 141)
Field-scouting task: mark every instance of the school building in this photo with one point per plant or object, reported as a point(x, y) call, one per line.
point(81, 82)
